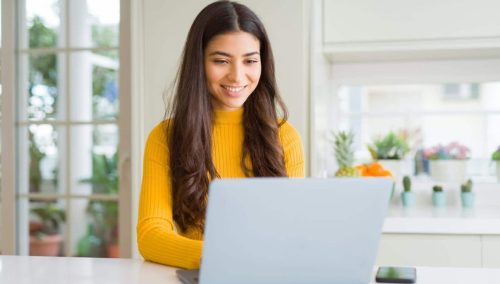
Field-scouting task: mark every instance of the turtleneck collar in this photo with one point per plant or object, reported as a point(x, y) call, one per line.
point(229, 116)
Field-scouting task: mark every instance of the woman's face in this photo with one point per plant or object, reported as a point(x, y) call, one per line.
point(232, 68)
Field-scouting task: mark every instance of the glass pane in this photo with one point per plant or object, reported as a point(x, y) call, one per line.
point(46, 227)
point(428, 115)
point(43, 173)
point(434, 113)
point(94, 23)
point(95, 165)
point(493, 141)
point(471, 133)
point(420, 98)
point(43, 24)
point(105, 94)
point(40, 87)
point(94, 86)
point(490, 93)
point(95, 229)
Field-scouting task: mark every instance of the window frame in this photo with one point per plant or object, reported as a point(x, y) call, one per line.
point(11, 231)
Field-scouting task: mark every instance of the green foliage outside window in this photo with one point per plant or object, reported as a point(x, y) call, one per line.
point(51, 217)
point(104, 214)
point(43, 72)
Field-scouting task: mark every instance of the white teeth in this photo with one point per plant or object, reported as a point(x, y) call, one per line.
point(234, 89)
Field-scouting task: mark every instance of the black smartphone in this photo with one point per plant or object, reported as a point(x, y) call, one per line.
point(394, 274)
point(188, 276)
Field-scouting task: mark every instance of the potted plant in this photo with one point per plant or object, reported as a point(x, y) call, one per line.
point(111, 221)
point(103, 214)
point(407, 195)
point(447, 163)
point(89, 245)
point(495, 157)
point(389, 150)
point(438, 196)
point(467, 196)
point(45, 230)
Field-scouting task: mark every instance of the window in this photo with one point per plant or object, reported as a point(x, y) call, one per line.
point(429, 114)
point(67, 128)
point(436, 102)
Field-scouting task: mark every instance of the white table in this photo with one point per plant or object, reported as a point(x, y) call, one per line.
point(70, 270)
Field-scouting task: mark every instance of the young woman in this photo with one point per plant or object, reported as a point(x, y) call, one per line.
point(223, 123)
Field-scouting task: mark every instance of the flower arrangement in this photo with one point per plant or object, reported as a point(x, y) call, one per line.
point(452, 151)
point(495, 156)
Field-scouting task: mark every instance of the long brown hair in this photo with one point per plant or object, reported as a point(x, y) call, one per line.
point(191, 113)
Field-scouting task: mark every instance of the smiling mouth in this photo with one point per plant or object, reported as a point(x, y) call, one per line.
point(234, 89)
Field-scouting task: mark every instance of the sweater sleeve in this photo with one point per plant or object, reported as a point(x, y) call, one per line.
point(156, 236)
point(293, 150)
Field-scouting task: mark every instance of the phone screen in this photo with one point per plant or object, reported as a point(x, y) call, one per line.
point(392, 274)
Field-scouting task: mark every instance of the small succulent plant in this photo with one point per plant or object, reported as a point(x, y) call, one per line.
point(466, 186)
point(406, 184)
point(437, 188)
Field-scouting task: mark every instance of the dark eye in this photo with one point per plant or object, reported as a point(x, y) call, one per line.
point(252, 61)
point(220, 61)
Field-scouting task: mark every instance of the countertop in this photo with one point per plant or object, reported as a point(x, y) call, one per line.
point(64, 270)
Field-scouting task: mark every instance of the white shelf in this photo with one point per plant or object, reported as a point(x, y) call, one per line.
point(423, 218)
point(455, 226)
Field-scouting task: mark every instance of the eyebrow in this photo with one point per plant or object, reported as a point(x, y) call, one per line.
point(229, 55)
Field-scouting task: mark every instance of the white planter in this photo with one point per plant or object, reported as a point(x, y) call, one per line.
point(448, 170)
point(398, 168)
point(394, 166)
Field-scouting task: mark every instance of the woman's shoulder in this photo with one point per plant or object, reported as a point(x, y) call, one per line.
point(160, 131)
point(287, 131)
point(286, 127)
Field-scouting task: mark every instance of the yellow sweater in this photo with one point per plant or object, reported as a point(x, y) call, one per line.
point(157, 236)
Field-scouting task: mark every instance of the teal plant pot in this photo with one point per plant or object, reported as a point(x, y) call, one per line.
point(439, 199)
point(408, 199)
point(467, 199)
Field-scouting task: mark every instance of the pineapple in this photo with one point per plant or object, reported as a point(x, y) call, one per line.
point(344, 154)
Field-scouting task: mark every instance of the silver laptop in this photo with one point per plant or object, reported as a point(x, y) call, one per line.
point(280, 230)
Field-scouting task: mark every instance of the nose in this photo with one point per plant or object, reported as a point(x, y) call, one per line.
point(236, 73)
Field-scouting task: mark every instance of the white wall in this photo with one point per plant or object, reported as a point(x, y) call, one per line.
point(164, 32)
point(160, 29)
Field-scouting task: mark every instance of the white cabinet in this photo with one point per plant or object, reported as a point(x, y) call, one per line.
point(491, 251)
point(396, 20)
point(439, 250)
point(451, 236)
point(404, 29)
